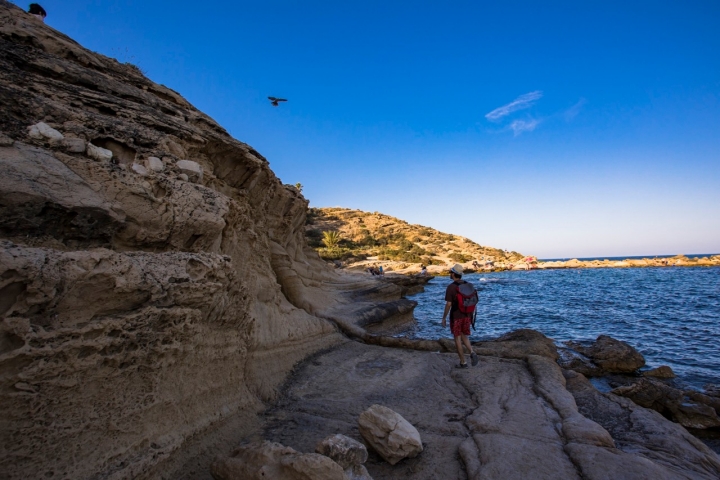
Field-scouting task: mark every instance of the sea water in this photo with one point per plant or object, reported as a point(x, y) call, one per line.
point(671, 315)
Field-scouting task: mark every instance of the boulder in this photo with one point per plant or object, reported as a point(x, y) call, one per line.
point(346, 451)
point(611, 355)
point(183, 177)
point(389, 434)
point(662, 371)
point(73, 145)
point(98, 153)
point(43, 131)
point(670, 402)
point(192, 169)
point(516, 344)
point(154, 164)
point(270, 460)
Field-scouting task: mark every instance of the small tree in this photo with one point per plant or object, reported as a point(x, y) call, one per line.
point(299, 187)
point(331, 238)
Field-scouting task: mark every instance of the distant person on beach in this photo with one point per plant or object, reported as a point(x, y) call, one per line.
point(423, 270)
point(381, 272)
point(459, 321)
point(37, 11)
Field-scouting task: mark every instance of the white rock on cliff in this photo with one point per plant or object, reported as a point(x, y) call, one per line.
point(42, 130)
point(140, 169)
point(154, 164)
point(389, 434)
point(98, 153)
point(192, 169)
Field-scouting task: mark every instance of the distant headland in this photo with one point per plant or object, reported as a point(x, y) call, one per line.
point(359, 240)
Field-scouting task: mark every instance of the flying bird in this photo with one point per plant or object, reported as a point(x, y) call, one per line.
point(275, 101)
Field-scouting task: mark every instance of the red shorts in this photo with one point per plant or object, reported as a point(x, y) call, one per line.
point(460, 326)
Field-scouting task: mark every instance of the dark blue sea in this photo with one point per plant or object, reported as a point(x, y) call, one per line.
point(671, 315)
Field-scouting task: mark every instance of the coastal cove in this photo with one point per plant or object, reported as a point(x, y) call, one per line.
point(170, 309)
point(672, 316)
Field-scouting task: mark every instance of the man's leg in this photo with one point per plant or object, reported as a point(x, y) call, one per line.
point(473, 355)
point(466, 342)
point(458, 345)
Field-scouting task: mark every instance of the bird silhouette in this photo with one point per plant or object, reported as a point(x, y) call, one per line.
point(275, 101)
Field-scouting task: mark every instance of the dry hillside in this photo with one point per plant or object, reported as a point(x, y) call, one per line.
point(364, 234)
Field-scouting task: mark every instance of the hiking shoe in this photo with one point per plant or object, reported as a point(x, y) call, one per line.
point(473, 358)
point(461, 365)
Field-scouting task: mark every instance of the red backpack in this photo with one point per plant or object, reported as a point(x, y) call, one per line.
point(467, 298)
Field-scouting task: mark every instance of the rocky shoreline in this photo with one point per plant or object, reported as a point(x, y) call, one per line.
point(676, 261)
point(518, 414)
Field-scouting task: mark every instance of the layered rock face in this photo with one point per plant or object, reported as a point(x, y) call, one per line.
point(154, 277)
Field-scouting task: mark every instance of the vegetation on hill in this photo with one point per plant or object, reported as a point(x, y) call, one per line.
point(354, 235)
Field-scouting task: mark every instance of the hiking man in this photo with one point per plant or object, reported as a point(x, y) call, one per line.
point(460, 318)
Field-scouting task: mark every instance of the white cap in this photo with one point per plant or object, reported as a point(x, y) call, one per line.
point(457, 269)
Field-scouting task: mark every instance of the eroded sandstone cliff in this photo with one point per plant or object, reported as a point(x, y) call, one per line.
point(154, 277)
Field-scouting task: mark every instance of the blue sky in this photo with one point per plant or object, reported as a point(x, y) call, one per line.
point(557, 129)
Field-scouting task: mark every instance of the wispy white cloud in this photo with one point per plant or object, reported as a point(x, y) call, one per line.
point(520, 103)
point(573, 111)
point(520, 126)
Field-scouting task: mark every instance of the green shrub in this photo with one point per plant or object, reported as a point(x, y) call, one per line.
point(331, 238)
point(335, 253)
point(314, 237)
point(368, 241)
point(459, 257)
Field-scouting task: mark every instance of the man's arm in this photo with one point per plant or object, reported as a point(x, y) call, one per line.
point(448, 306)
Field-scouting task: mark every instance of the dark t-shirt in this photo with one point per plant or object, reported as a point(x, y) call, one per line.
point(451, 296)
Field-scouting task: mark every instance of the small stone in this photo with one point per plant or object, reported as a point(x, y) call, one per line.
point(183, 177)
point(98, 153)
point(389, 434)
point(42, 130)
point(660, 372)
point(5, 141)
point(192, 169)
point(139, 169)
point(357, 472)
point(73, 145)
point(344, 450)
point(274, 461)
point(154, 164)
